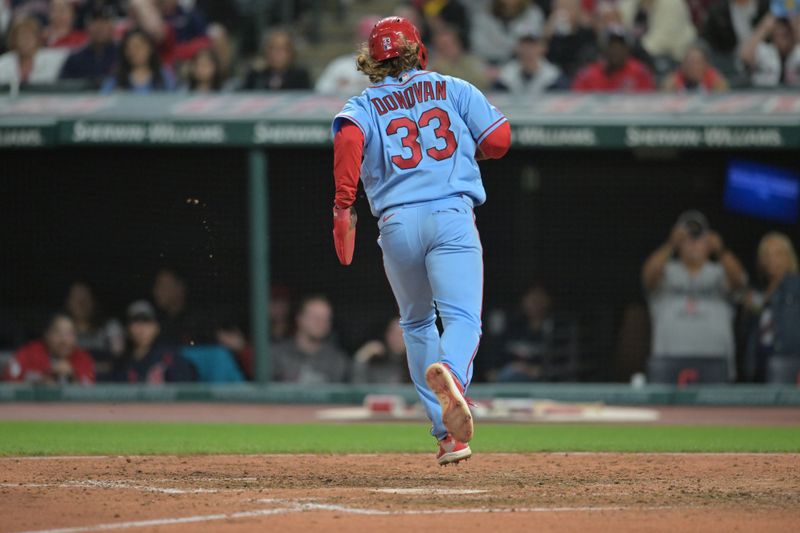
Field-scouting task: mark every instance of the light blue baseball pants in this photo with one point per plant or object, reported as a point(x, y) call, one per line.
point(434, 261)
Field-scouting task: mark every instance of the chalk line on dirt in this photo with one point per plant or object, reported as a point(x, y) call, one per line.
point(165, 521)
point(298, 507)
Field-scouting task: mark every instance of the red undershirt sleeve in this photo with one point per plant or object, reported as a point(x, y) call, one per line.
point(497, 143)
point(348, 149)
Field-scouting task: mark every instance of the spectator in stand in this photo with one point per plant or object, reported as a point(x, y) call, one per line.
point(95, 61)
point(56, 359)
point(497, 27)
point(189, 32)
point(139, 69)
point(310, 357)
point(449, 58)
point(223, 48)
point(178, 324)
point(118, 9)
point(178, 31)
point(383, 361)
point(204, 72)
point(185, 22)
point(5, 21)
point(27, 62)
point(104, 339)
point(231, 337)
point(771, 55)
point(607, 16)
point(537, 346)
point(617, 71)
point(662, 27)
point(440, 14)
point(530, 73)
point(698, 9)
point(276, 69)
point(695, 74)
point(731, 22)
point(39, 9)
point(690, 295)
point(571, 41)
point(61, 31)
point(280, 313)
point(789, 50)
point(146, 359)
point(775, 313)
point(341, 76)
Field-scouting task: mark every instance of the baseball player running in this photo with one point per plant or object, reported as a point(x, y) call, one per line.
point(413, 137)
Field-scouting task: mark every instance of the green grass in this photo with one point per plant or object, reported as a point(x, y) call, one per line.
point(89, 438)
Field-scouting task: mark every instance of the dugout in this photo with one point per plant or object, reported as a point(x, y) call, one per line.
point(104, 187)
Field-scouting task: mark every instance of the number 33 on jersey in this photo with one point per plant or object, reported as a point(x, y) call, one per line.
point(420, 136)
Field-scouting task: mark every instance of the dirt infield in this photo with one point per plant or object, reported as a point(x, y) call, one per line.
point(491, 492)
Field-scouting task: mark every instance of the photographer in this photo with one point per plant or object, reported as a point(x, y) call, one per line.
point(690, 295)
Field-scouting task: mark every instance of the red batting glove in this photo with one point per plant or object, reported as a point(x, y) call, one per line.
point(344, 233)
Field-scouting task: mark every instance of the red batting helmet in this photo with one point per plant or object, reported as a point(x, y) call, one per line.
point(386, 39)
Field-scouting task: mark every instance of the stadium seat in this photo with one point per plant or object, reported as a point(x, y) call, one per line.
point(683, 371)
point(784, 369)
point(214, 364)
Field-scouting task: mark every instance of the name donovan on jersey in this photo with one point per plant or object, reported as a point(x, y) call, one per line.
point(416, 93)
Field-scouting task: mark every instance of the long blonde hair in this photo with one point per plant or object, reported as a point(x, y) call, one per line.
point(378, 70)
point(787, 244)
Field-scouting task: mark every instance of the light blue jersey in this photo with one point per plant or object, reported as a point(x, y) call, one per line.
point(420, 134)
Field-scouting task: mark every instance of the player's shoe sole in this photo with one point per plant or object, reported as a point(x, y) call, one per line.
point(456, 415)
point(455, 457)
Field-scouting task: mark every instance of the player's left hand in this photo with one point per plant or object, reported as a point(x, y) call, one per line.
point(344, 233)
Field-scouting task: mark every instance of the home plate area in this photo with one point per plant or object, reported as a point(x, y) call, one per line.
point(402, 492)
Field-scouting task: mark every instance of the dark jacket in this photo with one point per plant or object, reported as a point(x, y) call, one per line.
point(785, 305)
point(718, 29)
point(160, 365)
point(90, 64)
point(186, 328)
point(572, 51)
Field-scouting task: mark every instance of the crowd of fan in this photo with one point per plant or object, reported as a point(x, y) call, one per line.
point(692, 282)
point(518, 46)
point(167, 339)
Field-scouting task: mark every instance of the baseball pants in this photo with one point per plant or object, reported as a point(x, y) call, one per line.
point(434, 262)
